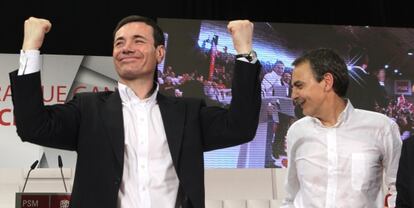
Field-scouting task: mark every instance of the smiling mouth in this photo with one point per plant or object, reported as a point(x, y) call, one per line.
point(299, 102)
point(129, 58)
point(126, 59)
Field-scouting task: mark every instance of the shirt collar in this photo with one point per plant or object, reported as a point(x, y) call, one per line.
point(128, 96)
point(343, 116)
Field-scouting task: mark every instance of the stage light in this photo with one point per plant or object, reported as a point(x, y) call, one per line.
point(410, 52)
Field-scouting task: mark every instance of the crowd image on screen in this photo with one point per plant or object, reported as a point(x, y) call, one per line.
point(372, 84)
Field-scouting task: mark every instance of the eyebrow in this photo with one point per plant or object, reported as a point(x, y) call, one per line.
point(134, 37)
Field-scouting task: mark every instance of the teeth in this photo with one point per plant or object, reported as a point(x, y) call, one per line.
point(298, 101)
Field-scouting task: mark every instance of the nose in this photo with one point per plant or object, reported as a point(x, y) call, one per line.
point(296, 99)
point(294, 94)
point(127, 48)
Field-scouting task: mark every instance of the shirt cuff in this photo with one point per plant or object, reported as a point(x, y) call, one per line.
point(29, 62)
point(245, 60)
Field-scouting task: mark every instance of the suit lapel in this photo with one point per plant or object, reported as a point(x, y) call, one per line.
point(112, 117)
point(173, 116)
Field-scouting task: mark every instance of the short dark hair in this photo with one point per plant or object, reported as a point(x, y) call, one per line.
point(324, 60)
point(157, 34)
point(279, 62)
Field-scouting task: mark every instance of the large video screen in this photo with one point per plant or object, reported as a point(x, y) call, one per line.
point(200, 59)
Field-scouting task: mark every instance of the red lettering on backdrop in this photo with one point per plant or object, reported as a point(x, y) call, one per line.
point(95, 89)
point(52, 92)
point(7, 94)
point(77, 88)
point(2, 121)
point(59, 93)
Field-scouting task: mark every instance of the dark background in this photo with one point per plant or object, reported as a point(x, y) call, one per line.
point(85, 27)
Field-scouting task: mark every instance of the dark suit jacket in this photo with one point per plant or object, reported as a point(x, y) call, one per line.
point(364, 90)
point(92, 125)
point(405, 175)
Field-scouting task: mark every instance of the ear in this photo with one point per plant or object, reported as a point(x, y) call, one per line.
point(329, 80)
point(160, 53)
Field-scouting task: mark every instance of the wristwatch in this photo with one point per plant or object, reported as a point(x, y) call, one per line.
point(249, 56)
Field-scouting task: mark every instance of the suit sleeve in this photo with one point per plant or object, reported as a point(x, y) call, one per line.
point(404, 176)
point(236, 125)
point(52, 126)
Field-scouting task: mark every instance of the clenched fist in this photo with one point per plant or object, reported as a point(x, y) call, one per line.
point(242, 34)
point(34, 33)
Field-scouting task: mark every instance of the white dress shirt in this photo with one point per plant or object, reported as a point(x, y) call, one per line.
point(149, 179)
point(344, 165)
point(29, 62)
point(270, 80)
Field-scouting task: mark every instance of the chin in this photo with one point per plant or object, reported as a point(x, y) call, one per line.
point(129, 76)
point(306, 113)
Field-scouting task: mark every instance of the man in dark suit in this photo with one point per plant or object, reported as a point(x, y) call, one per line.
point(135, 146)
point(364, 89)
point(386, 87)
point(405, 182)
